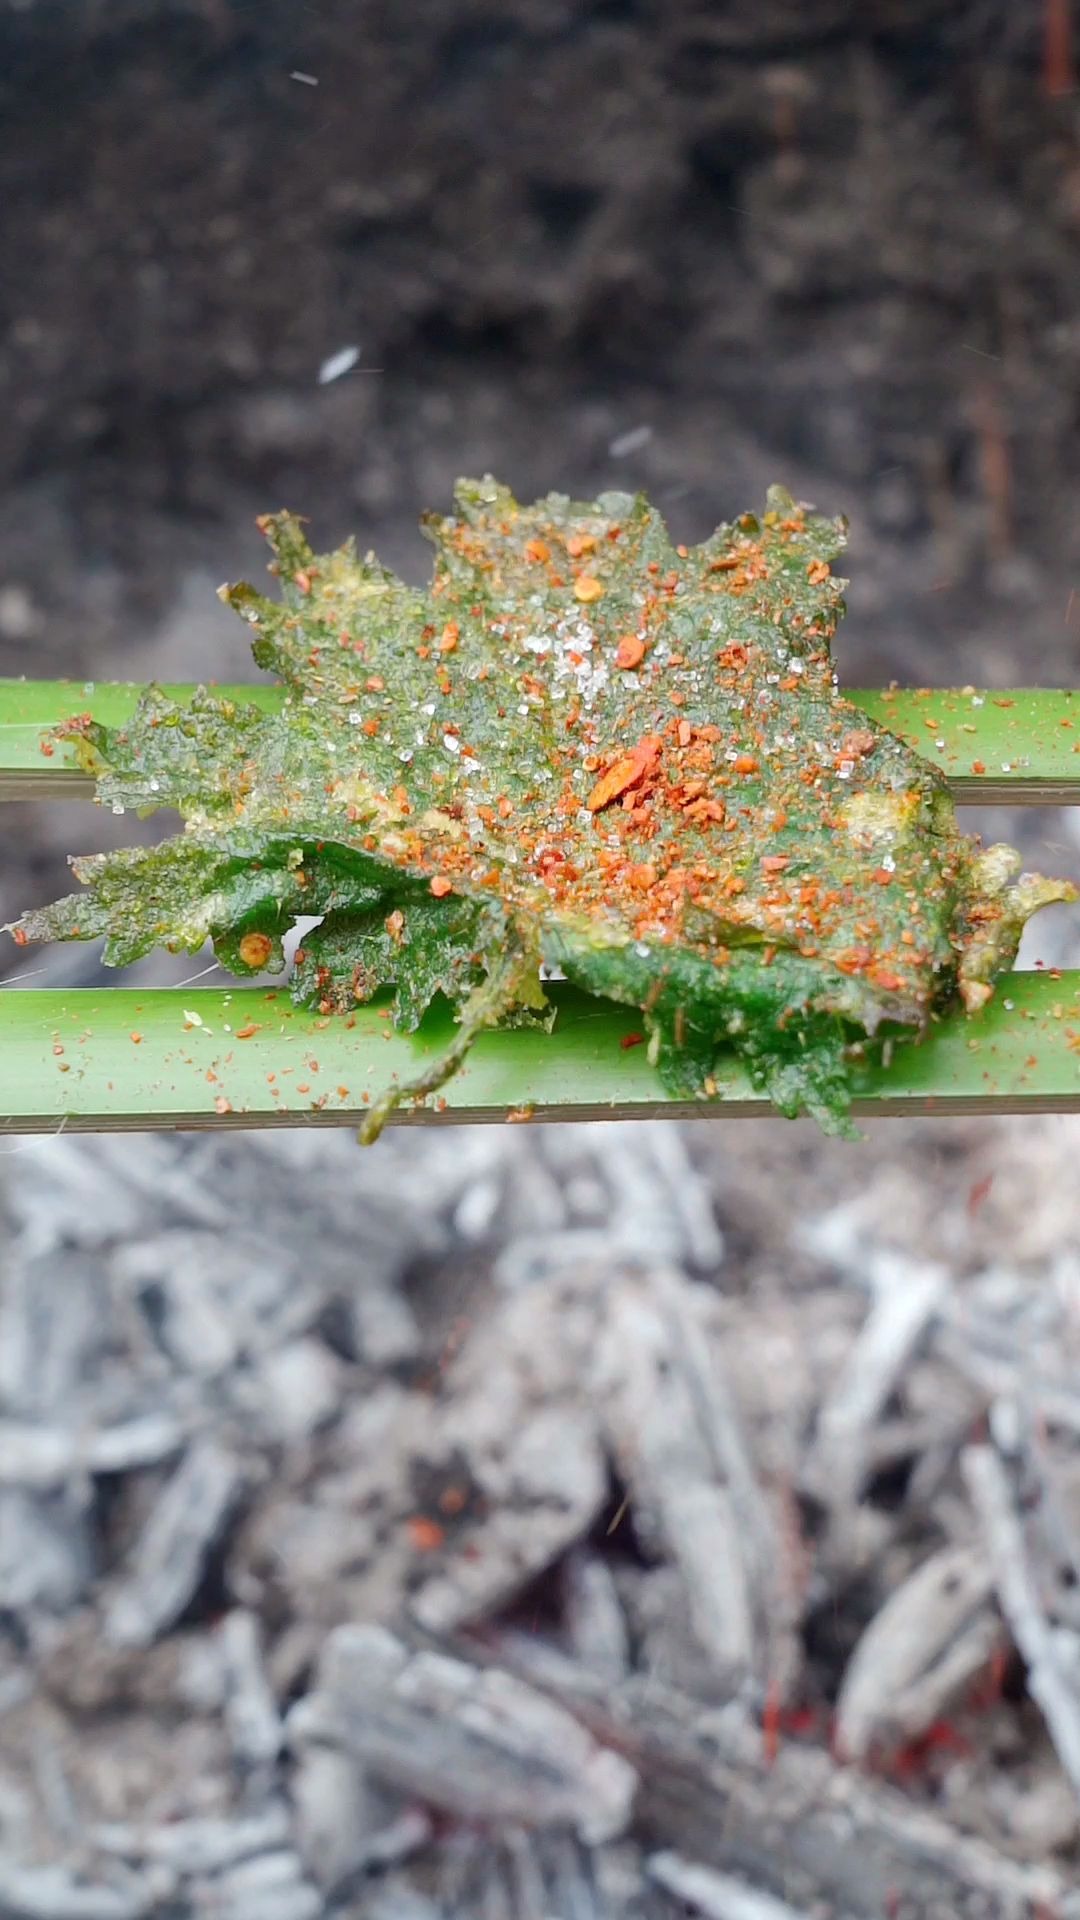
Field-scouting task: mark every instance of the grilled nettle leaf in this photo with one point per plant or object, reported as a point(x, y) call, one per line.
point(580, 745)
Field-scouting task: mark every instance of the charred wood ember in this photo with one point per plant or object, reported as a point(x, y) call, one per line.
point(536, 1524)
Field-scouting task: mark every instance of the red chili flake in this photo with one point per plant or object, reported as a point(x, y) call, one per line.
point(978, 766)
point(630, 651)
point(746, 763)
point(642, 877)
point(628, 771)
point(853, 959)
point(303, 580)
point(47, 749)
point(537, 550)
point(775, 862)
point(685, 733)
point(245, 1033)
point(19, 937)
point(222, 1104)
point(579, 543)
point(631, 1040)
point(588, 588)
point(255, 950)
point(440, 886)
point(978, 1193)
point(426, 1535)
point(451, 633)
point(854, 745)
point(504, 807)
point(370, 727)
point(817, 571)
point(137, 1039)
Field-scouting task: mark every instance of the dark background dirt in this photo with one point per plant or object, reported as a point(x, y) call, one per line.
point(690, 246)
point(833, 243)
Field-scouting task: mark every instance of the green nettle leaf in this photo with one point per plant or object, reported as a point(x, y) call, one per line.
point(583, 746)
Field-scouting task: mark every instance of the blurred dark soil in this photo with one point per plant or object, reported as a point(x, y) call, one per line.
point(689, 246)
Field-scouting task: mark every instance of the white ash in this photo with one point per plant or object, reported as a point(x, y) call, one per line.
point(642, 1455)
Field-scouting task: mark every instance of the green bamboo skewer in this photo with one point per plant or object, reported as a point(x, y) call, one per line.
point(1013, 746)
point(125, 1058)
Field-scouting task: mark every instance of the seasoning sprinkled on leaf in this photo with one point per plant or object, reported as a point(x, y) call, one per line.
point(580, 746)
